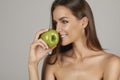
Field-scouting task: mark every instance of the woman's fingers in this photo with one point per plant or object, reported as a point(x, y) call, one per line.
point(38, 48)
point(35, 44)
point(43, 42)
point(39, 33)
point(37, 52)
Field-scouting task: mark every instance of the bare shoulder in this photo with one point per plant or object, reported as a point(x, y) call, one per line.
point(112, 58)
point(111, 67)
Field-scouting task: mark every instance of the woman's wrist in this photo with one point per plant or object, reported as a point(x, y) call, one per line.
point(32, 65)
point(33, 72)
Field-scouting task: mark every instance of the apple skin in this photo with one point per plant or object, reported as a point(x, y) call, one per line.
point(51, 37)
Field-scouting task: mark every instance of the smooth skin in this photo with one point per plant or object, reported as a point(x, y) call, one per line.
point(38, 50)
point(80, 63)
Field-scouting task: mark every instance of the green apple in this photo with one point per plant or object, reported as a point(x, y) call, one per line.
point(51, 37)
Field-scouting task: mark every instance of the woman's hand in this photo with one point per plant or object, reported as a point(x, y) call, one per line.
point(38, 49)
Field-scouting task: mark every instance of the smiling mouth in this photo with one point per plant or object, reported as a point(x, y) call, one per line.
point(63, 36)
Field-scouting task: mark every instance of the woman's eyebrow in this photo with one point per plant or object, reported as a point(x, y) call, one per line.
point(62, 18)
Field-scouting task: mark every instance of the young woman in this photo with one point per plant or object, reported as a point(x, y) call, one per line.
point(79, 55)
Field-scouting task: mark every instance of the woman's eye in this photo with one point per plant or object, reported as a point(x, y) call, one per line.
point(64, 21)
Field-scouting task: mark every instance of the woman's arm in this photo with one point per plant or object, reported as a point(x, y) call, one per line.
point(38, 50)
point(33, 72)
point(112, 70)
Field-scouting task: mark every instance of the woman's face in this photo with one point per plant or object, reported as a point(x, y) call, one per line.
point(70, 28)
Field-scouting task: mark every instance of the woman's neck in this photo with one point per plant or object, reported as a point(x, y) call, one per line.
point(80, 49)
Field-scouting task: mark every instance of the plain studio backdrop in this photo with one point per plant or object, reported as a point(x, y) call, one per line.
point(21, 19)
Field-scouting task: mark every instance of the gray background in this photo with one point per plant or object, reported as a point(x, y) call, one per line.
point(21, 19)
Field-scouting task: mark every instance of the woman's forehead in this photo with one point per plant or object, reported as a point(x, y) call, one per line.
point(61, 11)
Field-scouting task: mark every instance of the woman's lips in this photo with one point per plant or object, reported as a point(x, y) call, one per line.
point(63, 36)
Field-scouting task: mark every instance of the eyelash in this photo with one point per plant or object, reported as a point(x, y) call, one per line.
point(64, 21)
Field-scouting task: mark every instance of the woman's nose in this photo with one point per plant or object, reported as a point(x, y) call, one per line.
point(58, 28)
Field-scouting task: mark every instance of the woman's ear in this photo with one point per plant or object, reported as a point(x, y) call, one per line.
point(84, 22)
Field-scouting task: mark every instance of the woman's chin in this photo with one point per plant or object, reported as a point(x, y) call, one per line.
point(65, 43)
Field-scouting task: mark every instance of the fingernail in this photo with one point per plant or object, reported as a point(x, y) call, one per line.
point(46, 48)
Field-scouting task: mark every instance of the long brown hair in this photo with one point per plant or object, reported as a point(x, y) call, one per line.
point(80, 9)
